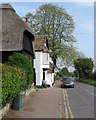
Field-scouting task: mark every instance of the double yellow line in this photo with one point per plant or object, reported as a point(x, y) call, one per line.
point(67, 109)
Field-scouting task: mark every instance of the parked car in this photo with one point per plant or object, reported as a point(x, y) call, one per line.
point(67, 82)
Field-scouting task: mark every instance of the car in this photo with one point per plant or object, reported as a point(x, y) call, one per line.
point(67, 82)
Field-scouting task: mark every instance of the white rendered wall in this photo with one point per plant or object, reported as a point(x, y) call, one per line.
point(48, 78)
point(38, 68)
point(45, 60)
point(52, 78)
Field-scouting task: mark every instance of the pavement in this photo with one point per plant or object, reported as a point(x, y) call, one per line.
point(43, 103)
point(57, 102)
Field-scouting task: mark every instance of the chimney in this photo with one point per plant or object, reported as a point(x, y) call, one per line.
point(26, 20)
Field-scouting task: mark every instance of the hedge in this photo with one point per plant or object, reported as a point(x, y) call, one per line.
point(10, 83)
point(21, 61)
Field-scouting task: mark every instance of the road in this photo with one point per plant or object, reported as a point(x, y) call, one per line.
point(57, 102)
point(78, 101)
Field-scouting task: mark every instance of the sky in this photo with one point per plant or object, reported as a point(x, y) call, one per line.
point(83, 15)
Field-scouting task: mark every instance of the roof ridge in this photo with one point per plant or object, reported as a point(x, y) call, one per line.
point(6, 6)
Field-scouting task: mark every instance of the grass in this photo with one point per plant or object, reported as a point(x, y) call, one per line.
point(88, 81)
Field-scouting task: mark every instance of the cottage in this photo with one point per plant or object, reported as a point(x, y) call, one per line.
point(17, 36)
point(50, 73)
point(42, 61)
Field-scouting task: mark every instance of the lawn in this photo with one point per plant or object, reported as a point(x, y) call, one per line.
point(89, 81)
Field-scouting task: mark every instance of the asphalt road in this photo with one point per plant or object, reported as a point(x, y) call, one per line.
point(57, 102)
point(78, 102)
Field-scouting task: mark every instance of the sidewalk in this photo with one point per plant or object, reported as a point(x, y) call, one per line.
point(43, 103)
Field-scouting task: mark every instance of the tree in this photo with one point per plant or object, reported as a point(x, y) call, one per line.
point(84, 66)
point(54, 21)
point(65, 71)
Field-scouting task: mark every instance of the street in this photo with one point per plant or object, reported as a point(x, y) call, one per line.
point(57, 102)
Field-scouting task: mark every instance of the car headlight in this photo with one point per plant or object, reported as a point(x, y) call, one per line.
point(72, 83)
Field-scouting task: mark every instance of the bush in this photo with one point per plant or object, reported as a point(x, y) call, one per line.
point(10, 82)
point(44, 84)
point(90, 76)
point(95, 75)
point(38, 86)
point(21, 61)
point(55, 78)
point(84, 66)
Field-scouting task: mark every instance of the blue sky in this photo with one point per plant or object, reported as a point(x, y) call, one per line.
point(83, 15)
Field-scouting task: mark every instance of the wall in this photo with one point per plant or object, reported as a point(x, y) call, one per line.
point(45, 60)
point(38, 67)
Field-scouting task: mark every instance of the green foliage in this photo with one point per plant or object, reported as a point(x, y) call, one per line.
point(60, 74)
point(76, 73)
point(38, 86)
point(10, 82)
point(55, 78)
point(95, 75)
point(58, 25)
point(21, 61)
point(90, 76)
point(89, 81)
point(83, 66)
point(65, 72)
point(44, 84)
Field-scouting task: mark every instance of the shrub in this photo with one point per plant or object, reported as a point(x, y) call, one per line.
point(84, 66)
point(44, 84)
point(38, 86)
point(90, 76)
point(55, 78)
point(95, 75)
point(21, 61)
point(10, 82)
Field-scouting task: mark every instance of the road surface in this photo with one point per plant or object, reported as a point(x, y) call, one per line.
point(57, 102)
point(78, 101)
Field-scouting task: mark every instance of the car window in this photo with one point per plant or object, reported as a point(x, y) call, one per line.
point(67, 80)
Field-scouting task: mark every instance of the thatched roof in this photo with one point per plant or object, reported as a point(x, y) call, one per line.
point(13, 28)
point(41, 43)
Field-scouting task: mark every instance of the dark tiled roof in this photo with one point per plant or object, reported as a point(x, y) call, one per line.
point(40, 43)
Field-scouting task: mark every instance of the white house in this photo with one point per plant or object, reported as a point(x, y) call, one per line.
point(50, 73)
point(42, 61)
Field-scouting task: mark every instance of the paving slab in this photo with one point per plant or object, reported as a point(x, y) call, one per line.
point(43, 103)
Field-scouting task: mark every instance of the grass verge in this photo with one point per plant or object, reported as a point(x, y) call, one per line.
point(88, 81)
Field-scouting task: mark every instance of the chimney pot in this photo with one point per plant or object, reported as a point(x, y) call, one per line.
point(26, 20)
